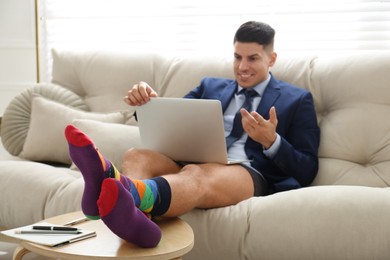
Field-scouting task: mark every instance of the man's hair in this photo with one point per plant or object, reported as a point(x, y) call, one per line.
point(257, 32)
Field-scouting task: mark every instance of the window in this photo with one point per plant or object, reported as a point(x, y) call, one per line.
point(204, 26)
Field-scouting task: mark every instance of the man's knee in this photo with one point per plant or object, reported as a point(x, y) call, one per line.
point(134, 153)
point(146, 163)
point(135, 159)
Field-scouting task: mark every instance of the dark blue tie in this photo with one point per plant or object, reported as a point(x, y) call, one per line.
point(237, 129)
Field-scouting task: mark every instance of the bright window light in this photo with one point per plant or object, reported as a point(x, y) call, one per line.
point(178, 27)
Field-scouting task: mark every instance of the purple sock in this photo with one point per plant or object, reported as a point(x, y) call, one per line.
point(122, 217)
point(151, 196)
point(92, 166)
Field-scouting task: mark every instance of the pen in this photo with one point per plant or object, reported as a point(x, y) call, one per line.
point(76, 239)
point(76, 221)
point(50, 232)
point(54, 228)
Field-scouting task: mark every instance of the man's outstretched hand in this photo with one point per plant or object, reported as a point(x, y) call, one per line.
point(261, 130)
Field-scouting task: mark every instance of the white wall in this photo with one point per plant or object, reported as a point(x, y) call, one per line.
point(18, 68)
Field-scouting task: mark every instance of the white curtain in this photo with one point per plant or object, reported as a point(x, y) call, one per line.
point(323, 27)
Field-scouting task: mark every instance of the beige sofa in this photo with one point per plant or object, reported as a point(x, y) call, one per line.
point(343, 215)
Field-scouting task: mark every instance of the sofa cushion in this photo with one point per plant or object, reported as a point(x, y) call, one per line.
point(324, 222)
point(102, 79)
point(112, 140)
point(45, 138)
point(351, 96)
point(16, 118)
point(32, 191)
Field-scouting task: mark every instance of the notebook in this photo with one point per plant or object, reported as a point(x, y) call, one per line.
point(51, 240)
point(187, 130)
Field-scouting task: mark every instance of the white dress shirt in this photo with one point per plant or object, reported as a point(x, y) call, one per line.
point(236, 150)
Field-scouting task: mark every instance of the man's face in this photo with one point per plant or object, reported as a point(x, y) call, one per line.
point(251, 63)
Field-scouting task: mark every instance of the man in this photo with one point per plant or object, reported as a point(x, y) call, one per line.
point(280, 137)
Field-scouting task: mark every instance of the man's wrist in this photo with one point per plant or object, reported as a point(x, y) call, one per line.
point(266, 147)
point(273, 149)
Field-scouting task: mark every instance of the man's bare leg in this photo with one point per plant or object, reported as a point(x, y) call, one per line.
point(208, 186)
point(194, 185)
point(144, 164)
point(118, 199)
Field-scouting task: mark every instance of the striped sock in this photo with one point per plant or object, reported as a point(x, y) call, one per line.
point(151, 196)
point(118, 212)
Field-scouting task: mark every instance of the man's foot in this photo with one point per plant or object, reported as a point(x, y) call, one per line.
point(150, 196)
point(119, 213)
point(92, 165)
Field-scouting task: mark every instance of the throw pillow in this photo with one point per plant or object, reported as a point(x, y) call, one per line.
point(112, 140)
point(45, 137)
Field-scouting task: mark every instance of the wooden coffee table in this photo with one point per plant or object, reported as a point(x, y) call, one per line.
point(177, 240)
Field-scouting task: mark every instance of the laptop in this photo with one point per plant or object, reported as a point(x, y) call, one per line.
point(187, 130)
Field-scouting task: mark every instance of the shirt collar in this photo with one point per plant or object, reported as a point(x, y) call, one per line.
point(259, 88)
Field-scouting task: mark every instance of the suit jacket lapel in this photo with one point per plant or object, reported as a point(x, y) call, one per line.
point(270, 95)
point(227, 94)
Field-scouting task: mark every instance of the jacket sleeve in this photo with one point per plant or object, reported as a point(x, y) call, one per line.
point(297, 156)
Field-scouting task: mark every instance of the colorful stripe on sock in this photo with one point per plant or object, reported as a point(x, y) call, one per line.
point(134, 192)
point(144, 193)
point(111, 171)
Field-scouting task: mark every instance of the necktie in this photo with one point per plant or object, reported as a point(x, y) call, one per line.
point(237, 129)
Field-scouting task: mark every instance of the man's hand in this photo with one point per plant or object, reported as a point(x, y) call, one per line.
point(261, 130)
point(139, 94)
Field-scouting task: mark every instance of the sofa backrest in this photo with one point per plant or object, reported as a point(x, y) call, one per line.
point(105, 77)
point(352, 99)
point(351, 95)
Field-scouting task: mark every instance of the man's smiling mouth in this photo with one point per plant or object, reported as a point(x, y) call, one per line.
point(244, 76)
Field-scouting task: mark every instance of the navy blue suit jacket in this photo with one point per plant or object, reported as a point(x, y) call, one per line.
point(296, 163)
